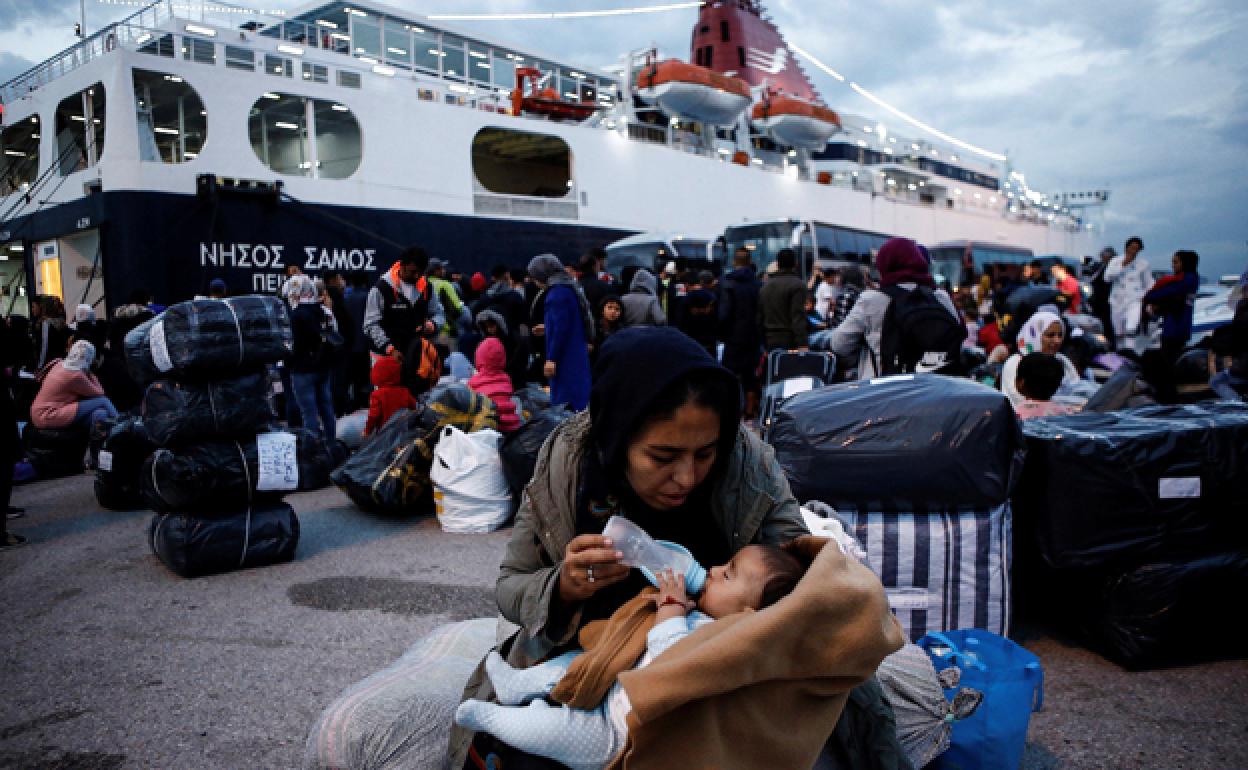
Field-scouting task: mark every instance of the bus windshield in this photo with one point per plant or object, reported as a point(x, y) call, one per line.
point(763, 241)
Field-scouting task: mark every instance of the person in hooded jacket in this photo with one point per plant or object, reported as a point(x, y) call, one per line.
point(401, 310)
point(492, 380)
point(568, 330)
point(666, 451)
point(388, 396)
point(641, 304)
point(858, 338)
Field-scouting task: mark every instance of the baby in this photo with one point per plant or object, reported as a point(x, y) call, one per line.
point(756, 577)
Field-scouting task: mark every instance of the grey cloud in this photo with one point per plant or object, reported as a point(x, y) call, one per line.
point(15, 12)
point(12, 66)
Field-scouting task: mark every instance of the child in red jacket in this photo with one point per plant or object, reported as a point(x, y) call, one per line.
point(491, 380)
point(389, 396)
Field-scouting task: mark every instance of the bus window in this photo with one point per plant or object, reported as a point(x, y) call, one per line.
point(763, 241)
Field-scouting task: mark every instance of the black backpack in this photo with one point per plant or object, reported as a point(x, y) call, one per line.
point(920, 334)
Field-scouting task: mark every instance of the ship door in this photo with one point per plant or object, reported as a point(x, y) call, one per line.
point(70, 268)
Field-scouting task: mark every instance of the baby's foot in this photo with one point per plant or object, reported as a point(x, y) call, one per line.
point(518, 686)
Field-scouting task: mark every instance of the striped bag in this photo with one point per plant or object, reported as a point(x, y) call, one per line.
point(943, 568)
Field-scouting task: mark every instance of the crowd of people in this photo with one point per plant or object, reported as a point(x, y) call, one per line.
point(378, 344)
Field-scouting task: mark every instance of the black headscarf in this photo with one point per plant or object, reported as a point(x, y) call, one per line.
point(635, 368)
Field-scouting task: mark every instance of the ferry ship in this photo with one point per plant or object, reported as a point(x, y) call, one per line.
point(189, 142)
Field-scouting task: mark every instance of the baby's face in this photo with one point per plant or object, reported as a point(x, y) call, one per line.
point(735, 586)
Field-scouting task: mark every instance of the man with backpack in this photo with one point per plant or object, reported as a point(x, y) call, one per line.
point(402, 312)
point(906, 325)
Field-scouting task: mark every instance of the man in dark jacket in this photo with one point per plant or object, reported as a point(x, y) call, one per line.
point(593, 286)
point(402, 309)
point(699, 319)
point(738, 327)
point(782, 307)
point(1098, 303)
point(356, 301)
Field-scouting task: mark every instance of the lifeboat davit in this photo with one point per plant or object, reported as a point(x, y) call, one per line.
point(796, 122)
point(694, 92)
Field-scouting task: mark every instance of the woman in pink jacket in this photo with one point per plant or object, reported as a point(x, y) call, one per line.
point(491, 380)
point(70, 395)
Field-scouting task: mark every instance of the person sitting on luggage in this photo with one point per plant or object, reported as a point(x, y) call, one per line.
point(491, 380)
point(1038, 377)
point(388, 396)
point(1043, 333)
point(70, 395)
point(756, 577)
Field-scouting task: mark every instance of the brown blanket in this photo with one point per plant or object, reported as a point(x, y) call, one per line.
point(612, 647)
point(762, 689)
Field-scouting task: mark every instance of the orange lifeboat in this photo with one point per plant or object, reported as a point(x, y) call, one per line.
point(530, 97)
point(693, 92)
point(795, 122)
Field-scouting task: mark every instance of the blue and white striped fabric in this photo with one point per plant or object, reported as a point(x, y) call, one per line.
point(943, 569)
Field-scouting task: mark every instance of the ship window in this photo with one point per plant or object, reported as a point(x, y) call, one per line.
point(80, 129)
point(521, 163)
point(741, 56)
point(426, 51)
point(724, 33)
point(503, 70)
point(170, 117)
point(317, 73)
point(348, 79)
point(199, 51)
point(425, 94)
point(478, 63)
point(276, 65)
point(161, 46)
point(365, 37)
point(19, 155)
point(709, 57)
point(240, 58)
point(453, 59)
point(299, 136)
point(398, 44)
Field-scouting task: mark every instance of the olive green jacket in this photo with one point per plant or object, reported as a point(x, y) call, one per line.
point(751, 503)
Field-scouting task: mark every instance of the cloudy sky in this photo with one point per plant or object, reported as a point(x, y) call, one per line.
point(1146, 97)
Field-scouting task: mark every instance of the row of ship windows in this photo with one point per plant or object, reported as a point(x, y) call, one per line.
point(291, 134)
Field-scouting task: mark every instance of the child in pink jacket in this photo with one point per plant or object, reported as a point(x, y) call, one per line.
point(491, 380)
point(70, 395)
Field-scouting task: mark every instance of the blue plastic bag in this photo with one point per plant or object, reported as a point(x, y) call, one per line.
point(1012, 681)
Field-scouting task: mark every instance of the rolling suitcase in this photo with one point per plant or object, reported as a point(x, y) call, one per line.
point(789, 374)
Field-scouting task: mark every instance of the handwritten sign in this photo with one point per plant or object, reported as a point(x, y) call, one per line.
point(278, 462)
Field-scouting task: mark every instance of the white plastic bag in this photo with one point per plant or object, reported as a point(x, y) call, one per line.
point(469, 488)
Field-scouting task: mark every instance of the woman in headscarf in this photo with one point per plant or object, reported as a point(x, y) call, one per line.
point(858, 338)
point(662, 445)
point(1042, 333)
point(568, 330)
point(69, 393)
point(312, 359)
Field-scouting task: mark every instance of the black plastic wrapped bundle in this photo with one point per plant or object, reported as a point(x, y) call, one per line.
point(55, 452)
point(390, 472)
point(1117, 488)
point(210, 338)
point(180, 413)
point(900, 443)
point(193, 545)
point(118, 450)
point(519, 452)
point(1157, 614)
point(222, 475)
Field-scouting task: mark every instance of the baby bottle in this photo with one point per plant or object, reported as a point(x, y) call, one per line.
point(653, 556)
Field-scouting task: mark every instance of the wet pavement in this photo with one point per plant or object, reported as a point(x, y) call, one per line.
point(109, 660)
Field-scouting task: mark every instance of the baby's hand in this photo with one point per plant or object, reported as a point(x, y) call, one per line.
point(671, 598)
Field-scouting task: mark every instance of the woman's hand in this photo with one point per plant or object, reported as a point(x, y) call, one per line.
point(590, 563)
point(538, 331)
point(549, 369)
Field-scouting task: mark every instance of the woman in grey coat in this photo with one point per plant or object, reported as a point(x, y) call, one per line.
point(641, 303)
point(665, 450)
